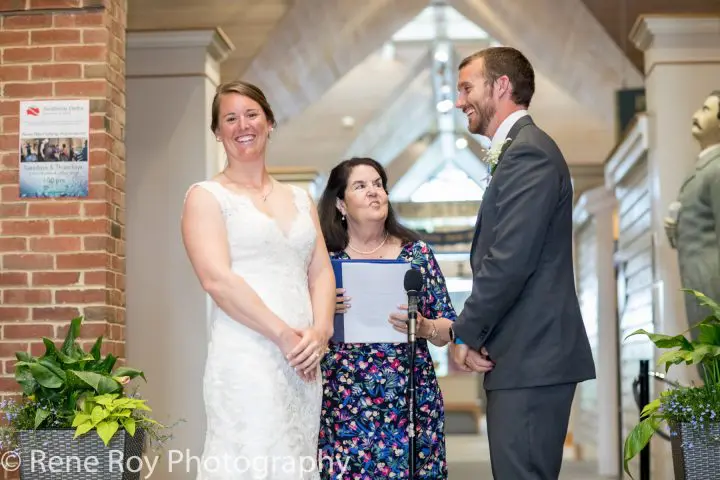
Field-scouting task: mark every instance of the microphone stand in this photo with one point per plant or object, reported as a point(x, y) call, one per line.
point(412, 324)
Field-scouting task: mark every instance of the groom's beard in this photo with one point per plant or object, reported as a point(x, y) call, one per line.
point(484, 114)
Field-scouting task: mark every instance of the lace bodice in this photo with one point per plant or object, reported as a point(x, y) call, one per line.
point(270, 259)
point(255, 238)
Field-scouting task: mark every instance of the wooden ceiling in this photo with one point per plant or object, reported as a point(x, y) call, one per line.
point(340, 40)
point(619, 16)
point(247, 23)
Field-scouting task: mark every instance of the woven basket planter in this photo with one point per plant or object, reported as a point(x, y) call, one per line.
point(696, 451)
point(54, 454)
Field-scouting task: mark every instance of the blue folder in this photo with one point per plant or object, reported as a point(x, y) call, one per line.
point(339, 322)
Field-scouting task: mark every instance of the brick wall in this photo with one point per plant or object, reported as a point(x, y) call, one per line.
point(60, 258)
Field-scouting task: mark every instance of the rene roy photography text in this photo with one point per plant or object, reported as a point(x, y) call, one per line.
point(174, 461)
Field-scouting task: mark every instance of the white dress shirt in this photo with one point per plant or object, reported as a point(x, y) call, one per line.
point(501, 134)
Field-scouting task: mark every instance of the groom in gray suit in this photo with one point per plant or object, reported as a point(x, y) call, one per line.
point(521, 325)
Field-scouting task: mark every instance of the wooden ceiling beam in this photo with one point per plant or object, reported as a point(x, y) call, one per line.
point(317, 42)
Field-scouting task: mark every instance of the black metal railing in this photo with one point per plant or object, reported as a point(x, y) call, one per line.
point(641, 392)
point(641, 389)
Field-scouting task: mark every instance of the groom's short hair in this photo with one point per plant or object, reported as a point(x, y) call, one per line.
point(508, 61)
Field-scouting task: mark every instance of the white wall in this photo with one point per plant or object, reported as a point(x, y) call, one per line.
point(169, 147)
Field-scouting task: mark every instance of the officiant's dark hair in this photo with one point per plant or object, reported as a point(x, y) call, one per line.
point(508, 61)
point(333, 227)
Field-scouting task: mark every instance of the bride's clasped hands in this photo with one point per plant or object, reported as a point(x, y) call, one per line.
point(304, 349)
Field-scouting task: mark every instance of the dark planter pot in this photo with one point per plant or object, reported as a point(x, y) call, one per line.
point(696, 451)
point(54, 454)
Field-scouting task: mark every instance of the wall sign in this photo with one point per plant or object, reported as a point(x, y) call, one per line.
point(54, 148)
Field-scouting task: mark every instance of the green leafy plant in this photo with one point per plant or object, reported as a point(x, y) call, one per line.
point(698, 406)
point(106, 413)
point(59, 387)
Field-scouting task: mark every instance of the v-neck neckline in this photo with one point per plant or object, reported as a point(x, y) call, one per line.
point(291, 224)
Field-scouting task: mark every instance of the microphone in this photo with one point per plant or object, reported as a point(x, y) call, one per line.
point(413, 285)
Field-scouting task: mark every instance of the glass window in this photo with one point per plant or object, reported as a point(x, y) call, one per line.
point(450, 184)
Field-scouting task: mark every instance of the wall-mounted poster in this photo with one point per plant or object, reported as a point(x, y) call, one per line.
point(54, 148)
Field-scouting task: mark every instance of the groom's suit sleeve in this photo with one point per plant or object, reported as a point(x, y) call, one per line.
point(528, 192)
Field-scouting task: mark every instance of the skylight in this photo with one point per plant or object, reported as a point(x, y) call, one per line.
point(423, 27)
point(448, 185)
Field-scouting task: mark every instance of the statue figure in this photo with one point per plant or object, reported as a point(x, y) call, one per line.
point(693, 223)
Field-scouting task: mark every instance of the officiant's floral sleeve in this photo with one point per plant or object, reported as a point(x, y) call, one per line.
point(436, 301)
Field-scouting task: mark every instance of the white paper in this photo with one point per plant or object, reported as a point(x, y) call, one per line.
point(376, 290)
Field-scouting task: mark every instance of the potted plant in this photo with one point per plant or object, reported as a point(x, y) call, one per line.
point(75, 417)
point(691, 413)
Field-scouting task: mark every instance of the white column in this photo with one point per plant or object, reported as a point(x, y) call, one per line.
point(171, 80)
point(307, 178)
point(601, 204)
point(682, 65)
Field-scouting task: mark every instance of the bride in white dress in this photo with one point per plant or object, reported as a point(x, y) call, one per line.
point(257, 249)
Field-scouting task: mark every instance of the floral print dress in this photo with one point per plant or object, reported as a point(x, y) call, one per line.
point(364, 418)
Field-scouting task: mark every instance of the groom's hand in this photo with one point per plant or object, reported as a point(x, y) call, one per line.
point(459, 354)
point(479, 361)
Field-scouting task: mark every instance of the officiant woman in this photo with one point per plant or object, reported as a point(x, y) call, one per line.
point(364, 411)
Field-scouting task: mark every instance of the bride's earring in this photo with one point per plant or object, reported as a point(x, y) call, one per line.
point(343, 218)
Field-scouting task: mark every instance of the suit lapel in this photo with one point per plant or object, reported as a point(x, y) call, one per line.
point(519, 125)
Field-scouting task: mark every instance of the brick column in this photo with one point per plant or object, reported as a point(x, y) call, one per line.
point(60, 258)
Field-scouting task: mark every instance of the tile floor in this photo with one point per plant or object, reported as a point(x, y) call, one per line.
point(469, 459)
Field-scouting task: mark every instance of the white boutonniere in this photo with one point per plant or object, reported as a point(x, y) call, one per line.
point(493, 155)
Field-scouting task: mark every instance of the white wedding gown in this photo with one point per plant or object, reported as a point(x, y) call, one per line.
point(262, 418)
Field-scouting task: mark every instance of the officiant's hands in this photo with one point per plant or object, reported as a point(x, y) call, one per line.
point(399, 322)
point(342, 303)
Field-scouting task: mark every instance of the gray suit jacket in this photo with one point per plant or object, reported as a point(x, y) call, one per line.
point(523, 307)
point(698, 235)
